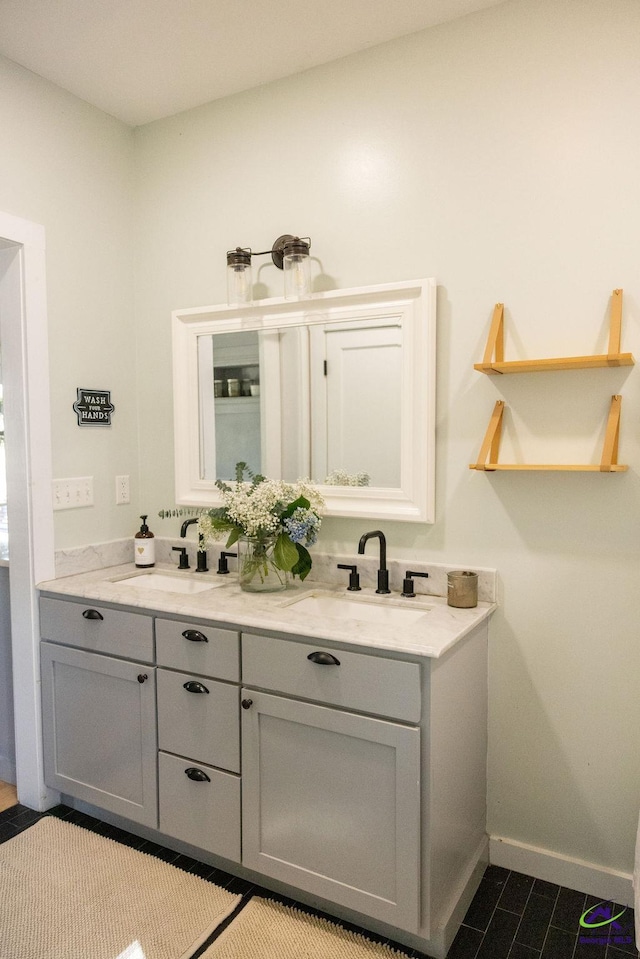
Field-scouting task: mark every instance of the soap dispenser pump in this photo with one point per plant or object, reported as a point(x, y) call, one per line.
point(144, 546)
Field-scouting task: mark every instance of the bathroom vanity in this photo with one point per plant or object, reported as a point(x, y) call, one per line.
point(340, 761)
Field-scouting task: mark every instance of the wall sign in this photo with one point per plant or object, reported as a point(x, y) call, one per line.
point(94, 407)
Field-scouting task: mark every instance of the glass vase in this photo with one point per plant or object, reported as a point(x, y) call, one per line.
point(257, 572)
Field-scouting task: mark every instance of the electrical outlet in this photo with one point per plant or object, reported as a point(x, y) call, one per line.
point(73, 493)
point(123, 495)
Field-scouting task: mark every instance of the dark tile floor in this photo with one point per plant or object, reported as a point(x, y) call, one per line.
point(512, 916)
point(517, 917)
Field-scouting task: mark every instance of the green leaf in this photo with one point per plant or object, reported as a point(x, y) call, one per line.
point(285, 553)
point(240, 471)
point(303, 567)
point(292, 507)
point(234, 536)
point(221, 524)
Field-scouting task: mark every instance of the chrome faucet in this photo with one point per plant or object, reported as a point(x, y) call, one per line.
point(201, 566)
point(383, 574)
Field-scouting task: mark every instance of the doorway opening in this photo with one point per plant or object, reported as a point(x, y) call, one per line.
point(26, 420)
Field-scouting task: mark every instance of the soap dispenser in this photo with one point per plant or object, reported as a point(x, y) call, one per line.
point(144, 546)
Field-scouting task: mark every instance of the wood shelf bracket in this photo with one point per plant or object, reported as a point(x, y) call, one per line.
point(490, 449)
point(615, 323)
point(494, 350)
point(611, 436)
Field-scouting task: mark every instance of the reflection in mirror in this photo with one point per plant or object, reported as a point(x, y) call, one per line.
point(229, 385)
point(338, 388)
point(339, 410)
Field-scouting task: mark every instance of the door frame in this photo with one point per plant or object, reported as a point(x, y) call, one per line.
point(27, 412)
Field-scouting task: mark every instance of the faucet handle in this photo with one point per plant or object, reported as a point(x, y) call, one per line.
point(222, 562)
point(184, 559)
point(407, 582)
point(354, 578)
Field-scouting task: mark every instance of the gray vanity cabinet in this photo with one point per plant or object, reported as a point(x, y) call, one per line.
point(331, 798)
point(199, 735)
point(355, 776)
point(99, 711)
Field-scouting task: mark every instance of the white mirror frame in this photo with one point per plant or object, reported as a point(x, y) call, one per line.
point(413, 301)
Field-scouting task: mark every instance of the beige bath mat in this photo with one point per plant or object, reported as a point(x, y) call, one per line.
point(67, 893)
point(269, 930)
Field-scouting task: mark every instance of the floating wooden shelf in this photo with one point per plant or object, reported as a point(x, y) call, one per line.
point(490, 449)
point(493, 361)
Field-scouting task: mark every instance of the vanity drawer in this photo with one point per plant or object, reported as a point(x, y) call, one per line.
point(97, 628)
point(199, 717)
point(200, 805)
point(369, 684)
point(197, 648)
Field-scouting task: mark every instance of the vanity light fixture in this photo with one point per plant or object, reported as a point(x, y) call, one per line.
point(289, 253)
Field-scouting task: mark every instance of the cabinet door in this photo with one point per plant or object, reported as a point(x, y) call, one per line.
point(99, 727)
point(200, 805)
point(330, 804)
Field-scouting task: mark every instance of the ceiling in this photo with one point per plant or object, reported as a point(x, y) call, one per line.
point(141, 60)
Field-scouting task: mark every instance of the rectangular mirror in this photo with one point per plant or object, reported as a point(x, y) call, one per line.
point(338, 387)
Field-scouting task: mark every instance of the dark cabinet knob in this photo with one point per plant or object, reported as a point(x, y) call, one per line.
point(197, 775)
point(195, 636)
point(246, 703)
point(142, 677)
point(92, 614)
point(323, 659)
point(193, 687)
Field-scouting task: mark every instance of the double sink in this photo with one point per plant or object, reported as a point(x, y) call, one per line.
point(390, 611)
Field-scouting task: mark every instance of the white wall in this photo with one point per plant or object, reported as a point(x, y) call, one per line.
point(498, 153)
point(68, 166)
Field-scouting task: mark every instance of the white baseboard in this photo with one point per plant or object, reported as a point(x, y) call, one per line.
point(606, 884)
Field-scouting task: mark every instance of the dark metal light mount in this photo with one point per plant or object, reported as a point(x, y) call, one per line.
point(289, 253)
point(285, 244)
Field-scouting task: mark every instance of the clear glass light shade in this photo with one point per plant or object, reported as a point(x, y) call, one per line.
point(297, 269)
point(239, 278)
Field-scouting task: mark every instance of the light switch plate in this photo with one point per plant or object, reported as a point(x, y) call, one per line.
point(73, 493)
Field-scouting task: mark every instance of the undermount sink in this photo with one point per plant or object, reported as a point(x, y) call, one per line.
point(383, 611)
point(167, 582)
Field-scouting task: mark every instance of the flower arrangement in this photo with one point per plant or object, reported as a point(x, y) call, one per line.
point(279, 520)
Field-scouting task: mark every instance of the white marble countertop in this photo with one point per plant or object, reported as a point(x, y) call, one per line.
point(432, 635)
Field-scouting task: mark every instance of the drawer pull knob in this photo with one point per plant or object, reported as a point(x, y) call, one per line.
point(142, 677)
point(246, 703)
point(193, 687)
point(197, 775)
point(92, 614)
point(323, 659)
point(195, 636)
